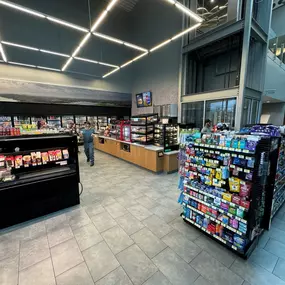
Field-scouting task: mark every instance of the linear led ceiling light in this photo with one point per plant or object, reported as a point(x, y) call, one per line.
point(186, 31)
point(103, 15)
point(113, 71)
point(108, 64)
point(87, 60)
point(3, 53)
point(19, 46)
point(55, 53)
point(67, 64)
point(186, 10)
point(160, 45)
point(112, 39)
point(23, 64)
point(64, 23)
point(21, 8)
point(48, 68)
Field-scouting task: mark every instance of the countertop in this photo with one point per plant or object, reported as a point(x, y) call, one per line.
point(148, 147)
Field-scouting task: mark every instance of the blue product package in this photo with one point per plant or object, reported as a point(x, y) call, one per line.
point(239, 242)
point(235, 143)
point(180, 183)
point(242, 144)
point(187, 212)
point(180, 198)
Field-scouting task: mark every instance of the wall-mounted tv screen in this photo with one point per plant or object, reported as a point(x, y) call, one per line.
point(144, 99)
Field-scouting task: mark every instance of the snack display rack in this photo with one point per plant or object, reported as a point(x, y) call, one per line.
point(54, 121)
point(276, 189)
point(224, 182)
point(39, 174)
point(142, 128)
point(166, 136)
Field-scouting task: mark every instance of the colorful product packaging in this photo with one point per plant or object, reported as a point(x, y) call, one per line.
point(10, 161)
point(18, 161)
point(39, 158)
point(2, 160)
point(34, 158)
point(27, 160)
point(45, 157)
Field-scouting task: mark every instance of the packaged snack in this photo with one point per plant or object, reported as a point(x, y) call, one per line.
point(239, 242)
point(66, 153)
point(234, 183)
point(58, 154)
point(232, 210)
point(34, 158)
point(214, 213)
point(225, 173)
point(216, 182)
point(227, 197)
point(240, 213)
point(10, 161)
point(204, 208)
point(242, 227)
point(236, 199)
point(205, 223)
point(242, 143)
point(249, 176)
point(217, 202)
point(228, 236)
point(245, 189)
point(39, 158)
point(2, 160)
point(52, 156)
point(27, 160)
point(245, 204)
point(225, 219)
point(235, 143)
point(250, 162)
point(224, 206)
point(45, 157)
point(18, 161)
point(217, 229)
point(234, 223)
point(218, 174)
point(251, 143)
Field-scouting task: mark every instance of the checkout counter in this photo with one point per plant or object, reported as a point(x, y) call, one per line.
point(149, 157)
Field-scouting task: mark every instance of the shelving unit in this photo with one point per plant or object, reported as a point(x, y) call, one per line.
point(224, 188)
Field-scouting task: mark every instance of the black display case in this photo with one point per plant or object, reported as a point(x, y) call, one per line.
point(166, 136)
point(142, 128)
point(39, 175)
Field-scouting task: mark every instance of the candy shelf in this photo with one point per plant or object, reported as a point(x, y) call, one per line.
point(39, 174)
point(224, 189)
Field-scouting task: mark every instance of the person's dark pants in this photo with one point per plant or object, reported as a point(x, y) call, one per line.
point(89, 151)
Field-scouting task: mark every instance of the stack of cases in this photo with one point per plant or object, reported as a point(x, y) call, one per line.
point(223, 179)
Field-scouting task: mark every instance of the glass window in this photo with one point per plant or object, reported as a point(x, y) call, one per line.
point(254, 112)
point(193, 113)
point(221, 111)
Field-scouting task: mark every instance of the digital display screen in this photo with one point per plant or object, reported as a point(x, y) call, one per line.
point(144, 99)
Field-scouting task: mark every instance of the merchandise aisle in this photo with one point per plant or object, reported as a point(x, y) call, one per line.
point(130, 232)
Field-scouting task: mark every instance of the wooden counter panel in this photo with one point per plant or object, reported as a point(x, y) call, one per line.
point(170, 163)
point(138, 155)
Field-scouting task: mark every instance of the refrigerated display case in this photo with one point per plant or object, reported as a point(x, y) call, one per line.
point(142, 128)
point(67, 121)
point(39, 121)
point(5, 121)
point(21, 120)
point(54, 122)
point(166, 136)
point(93, 121)
point(80, 121)
point(102, 123)
point(40, 178)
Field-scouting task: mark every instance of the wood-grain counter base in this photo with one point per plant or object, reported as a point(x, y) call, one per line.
point(151, 159)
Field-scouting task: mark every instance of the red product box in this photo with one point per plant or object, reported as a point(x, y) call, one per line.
point(236, 199)
point(245, 204)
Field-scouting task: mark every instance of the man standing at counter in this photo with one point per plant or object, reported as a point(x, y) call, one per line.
point(88, 134)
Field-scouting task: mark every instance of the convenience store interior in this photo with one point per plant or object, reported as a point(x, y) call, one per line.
point(188, 185)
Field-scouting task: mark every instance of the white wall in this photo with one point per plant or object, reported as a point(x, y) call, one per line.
point(273, 113)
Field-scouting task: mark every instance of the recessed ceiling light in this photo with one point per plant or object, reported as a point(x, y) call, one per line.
point(268, 101)
point(140, 56)
point(20, 46)
point(108, 38)
point(3, 53)
point(67, 64)
point(113, 71)
point(23, 64)
point(160, 45)
point(110, 6)
point(64, 23)
point(87, 60)
point(135, 47)
point(127, 63)
point(108, 64)
point(55, 53)
point(20, 8)
point(99, 20)
point(48, 68)
point(186, 31)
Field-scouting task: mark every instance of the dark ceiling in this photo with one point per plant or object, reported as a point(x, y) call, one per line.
point(134, 21)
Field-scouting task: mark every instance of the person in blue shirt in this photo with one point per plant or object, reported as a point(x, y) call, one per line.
point(88, 134)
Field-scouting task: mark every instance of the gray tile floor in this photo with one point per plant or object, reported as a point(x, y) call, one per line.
point(127, 231)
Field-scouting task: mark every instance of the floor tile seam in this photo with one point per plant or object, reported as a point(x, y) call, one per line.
point(84, 261)
point(50, 256)
point(63, 242)
point(275, 266)
point(33, 264)
point(254, 262)
point(80, 226)
point(133, 232)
